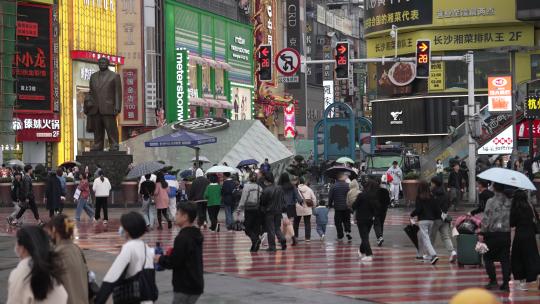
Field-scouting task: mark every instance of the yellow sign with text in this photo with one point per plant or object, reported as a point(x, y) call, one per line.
point(459, 12)
point(436, 76)
point(454, 39)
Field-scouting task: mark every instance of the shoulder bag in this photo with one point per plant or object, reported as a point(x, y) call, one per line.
point(308, 201)
point(536, 220)
point(140, 287)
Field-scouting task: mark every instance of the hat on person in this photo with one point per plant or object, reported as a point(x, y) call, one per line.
point(474, 296)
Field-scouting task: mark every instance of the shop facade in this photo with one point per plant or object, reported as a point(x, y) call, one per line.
point(208, 65)
point(87, 32)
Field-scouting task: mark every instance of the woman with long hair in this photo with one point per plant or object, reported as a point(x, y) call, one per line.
point(75, 280)
point(161, 198)
point(306, 209)
point(427, 210)
point(291, 196)
point(525, 259)
point(365, 207)
point(83, 200)
point(36, 277)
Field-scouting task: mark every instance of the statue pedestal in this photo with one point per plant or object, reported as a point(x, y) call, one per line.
point(113, 163)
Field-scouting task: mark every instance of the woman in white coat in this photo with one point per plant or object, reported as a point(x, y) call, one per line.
point(36, 277)
point(304, 210)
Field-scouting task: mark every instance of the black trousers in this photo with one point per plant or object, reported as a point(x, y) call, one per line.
point(499, 250)
point(307, 225)
point(342, 219)
point(213, 212)
point(273, 229)
point(364, 227)
point(52, 211)
point(253, 223)
point(201, 213)
point(32, 206)
point(101, 202)
point(378, 223)
point(104, 123)
point(165, 214)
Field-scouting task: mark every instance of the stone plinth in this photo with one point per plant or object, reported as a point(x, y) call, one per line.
point(113, 163)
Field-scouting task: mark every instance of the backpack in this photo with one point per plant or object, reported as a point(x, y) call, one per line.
point(253, 201)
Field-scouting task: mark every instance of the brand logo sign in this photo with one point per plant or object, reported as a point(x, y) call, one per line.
point(36, 127)
point(396, 118)
point(500, 94)
point(177, 109)
point(202, 125)
point(500, 144)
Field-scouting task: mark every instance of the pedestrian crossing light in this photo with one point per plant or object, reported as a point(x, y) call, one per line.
point(264, 58)
point(342, 60)
point(423, 58)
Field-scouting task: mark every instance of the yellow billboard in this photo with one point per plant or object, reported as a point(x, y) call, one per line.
point(454, 39)
point(460, 12)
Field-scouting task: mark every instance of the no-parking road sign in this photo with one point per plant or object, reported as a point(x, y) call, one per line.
point(287, 61)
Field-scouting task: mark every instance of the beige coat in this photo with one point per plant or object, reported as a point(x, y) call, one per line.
point(75, 276)
point(306, 193)
point(20, 292)
point(353, 193)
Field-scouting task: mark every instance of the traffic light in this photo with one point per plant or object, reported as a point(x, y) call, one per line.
point(423, 58)
point(264, 58)
point(342, 60)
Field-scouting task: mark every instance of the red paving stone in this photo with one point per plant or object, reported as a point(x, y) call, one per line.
point(393, 277)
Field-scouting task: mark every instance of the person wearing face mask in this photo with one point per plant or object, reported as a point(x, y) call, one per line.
point(36, 277)
point(135, 257)
point(75, 278)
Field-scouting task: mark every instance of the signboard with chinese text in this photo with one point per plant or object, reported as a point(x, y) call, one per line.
point(328, 87)
point(523, 129)
point(500, 144)
point(131, 103)
point(436, 76)
point(294, 36)
point(532, 107)
point(499, 93)
point(289, 125)
point(381, 15)
point(32, 65)
point(37, 127)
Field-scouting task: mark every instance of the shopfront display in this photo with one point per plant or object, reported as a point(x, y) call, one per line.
point(220, 64)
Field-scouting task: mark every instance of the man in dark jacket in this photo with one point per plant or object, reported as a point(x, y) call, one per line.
point(273, 203)
point(483, 195)
point(196, 195)
point(15, 196)
point(455, 185)
point(227, 190)
point(186, 260)
point(337, 198)
point(53, 194)
point(383, 196)
point(441, 225)
point(27, 196)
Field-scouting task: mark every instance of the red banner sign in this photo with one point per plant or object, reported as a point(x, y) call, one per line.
point(94, 57)
point(131, 104)
point(523, 129)
point(37, 127)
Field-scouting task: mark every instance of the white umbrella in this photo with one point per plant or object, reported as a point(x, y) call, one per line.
point(202, 159)
point(221, 169)
point(507, 177)
point(344, 160)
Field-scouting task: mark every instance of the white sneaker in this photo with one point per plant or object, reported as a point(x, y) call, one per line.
point(453, 257)
point(360, 255)
point(522, 286)
point(105, 222)
point(367, 259)
point(426, 257)
point(323, 237)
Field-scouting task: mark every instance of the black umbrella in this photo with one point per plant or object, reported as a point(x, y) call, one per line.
point(145, 168)
point(247, 162)
point(333, 172)
point(71, 164)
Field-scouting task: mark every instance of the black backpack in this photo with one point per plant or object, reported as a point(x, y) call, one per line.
point(251, 203)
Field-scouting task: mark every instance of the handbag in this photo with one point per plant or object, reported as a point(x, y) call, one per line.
point(140, 287)
point(309, 202)
point(77, 194)
point(93, 287)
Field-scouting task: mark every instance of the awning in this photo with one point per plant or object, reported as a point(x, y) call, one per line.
point(195, 101)
point(225, 104)
point(212, 103)
point(211, 62)
point(224, 65)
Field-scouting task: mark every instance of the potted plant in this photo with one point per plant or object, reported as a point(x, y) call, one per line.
point(298, 166)
point(5, 191)
point(410, 185)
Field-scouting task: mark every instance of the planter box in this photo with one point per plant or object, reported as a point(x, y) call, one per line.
point(5, 194)
point(70, 191)
point(410, 190)
point(129, 191)
point(39, 192)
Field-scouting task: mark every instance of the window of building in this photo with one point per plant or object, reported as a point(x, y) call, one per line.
point(220, 84)
point(193, 91)
point(206, 88)
point(485, 64)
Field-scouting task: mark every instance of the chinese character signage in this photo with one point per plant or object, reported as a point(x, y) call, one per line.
point(178, 105)
point(289, 130)
point(523, 129)
point(32, 64)
point(499, 93)
point(380, 15)
point(500, 144)
point(328, 87)
point(436, 76)
point(131, 103)
point(532, 107)
point(37, 127)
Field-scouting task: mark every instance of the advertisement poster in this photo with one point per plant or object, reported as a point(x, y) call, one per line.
point(500, 144)
point(178, 106)
point(241, 101)
point(32, 63)
point(500, 94)
point(436, 76)
point(381, 15)
point(37, 127)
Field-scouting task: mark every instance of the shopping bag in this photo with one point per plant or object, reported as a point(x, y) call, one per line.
point(412, 232)
point(77, 194)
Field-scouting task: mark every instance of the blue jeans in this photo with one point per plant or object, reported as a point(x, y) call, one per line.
point(149, 212)
point(321, 229)
point(229, 218)
point(82, 204)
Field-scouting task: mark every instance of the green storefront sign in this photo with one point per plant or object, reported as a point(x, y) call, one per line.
point(178, 110)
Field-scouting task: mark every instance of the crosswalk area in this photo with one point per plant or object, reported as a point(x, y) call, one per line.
point(394, 275)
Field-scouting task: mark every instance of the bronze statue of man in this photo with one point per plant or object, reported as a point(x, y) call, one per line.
point(105, 102)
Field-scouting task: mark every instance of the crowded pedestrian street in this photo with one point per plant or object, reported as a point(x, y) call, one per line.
point(311, 272)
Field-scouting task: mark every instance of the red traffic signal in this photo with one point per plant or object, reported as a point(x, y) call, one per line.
point(423, 58)
point(342, 60)
point(264, 59)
